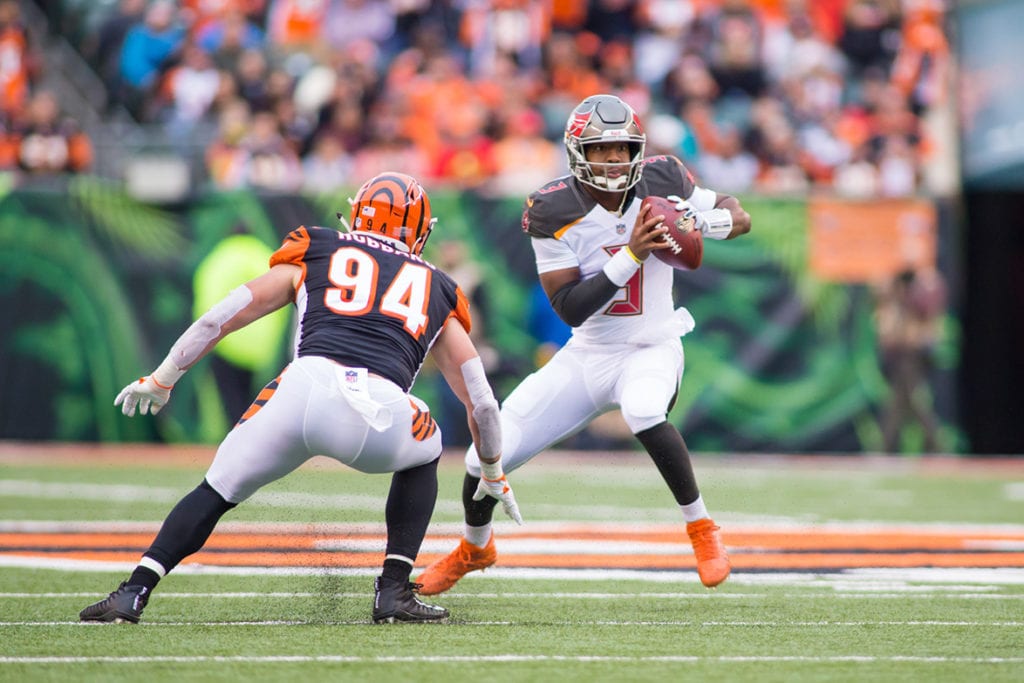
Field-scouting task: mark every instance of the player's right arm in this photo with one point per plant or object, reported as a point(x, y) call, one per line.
point(243, 305)
point(457, 359)
point(575, 299)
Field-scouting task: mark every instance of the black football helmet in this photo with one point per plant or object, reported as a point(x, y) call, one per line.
point(604, 118)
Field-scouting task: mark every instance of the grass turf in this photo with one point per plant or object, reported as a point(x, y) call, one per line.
point(761, 626)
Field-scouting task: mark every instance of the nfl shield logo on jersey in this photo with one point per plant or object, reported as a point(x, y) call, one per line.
point(620, 229)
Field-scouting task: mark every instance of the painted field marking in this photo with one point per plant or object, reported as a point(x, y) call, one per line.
point(568, 622)
point(565, 546)
point(440, 659)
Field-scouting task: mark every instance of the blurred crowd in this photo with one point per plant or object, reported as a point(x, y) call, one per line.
point(766, 96)
point(36, 139)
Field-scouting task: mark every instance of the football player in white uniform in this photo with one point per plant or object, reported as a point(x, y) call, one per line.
point(370, 309)
point(592, 242)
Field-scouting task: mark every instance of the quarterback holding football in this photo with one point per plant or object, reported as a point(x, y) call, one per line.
point(592, 235)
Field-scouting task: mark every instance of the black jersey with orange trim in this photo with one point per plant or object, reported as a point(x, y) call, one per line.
point(562, 202)
point(364, 303)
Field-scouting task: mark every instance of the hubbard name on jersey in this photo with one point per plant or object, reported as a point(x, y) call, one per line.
point(365, 303)
point(569, 229)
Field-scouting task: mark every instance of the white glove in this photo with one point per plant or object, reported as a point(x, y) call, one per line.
point(500, 489)
point(700, 221)
point(146, 394)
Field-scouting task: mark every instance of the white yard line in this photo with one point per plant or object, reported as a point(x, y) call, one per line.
point(902, 581)
point(509, 529)
point(440, 659)
point(572, 622)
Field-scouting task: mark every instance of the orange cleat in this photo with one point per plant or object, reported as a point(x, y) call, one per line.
point(445, 573)
point(712, 562)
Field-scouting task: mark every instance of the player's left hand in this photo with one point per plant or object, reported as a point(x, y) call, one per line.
point(144, 394)
point(500, 489)
point(699, 221)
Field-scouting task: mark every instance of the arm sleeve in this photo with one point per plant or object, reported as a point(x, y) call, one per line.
point(577, 301)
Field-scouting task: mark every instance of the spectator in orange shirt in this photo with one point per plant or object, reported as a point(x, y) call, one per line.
point(465, 158)
point(18, 63)
point(522, 154)
point(296, 25)
point(922, 64)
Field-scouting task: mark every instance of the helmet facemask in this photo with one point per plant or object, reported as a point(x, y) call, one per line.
point(609, 120)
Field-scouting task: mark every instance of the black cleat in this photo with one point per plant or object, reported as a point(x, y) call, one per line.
point(124, 604)
point(396, 601)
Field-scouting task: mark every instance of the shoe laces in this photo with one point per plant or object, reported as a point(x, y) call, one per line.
point(466, 552)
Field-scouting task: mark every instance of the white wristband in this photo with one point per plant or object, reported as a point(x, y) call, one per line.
point(719, 223)
point(621, 267)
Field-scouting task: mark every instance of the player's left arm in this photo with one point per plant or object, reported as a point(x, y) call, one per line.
point(457, 359)
point(243, 305)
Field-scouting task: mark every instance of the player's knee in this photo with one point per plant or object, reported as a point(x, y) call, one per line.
point(642, 410)
point(218, 491)
point(641, 424)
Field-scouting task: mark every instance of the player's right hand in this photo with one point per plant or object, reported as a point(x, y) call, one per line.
point(144, 394)
point(500, 489)
point(648, 234)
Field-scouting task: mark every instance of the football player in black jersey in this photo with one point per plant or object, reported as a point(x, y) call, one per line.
point(370, 309)
point(591, 239)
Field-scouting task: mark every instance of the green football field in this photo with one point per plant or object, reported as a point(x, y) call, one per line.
point(845, 569)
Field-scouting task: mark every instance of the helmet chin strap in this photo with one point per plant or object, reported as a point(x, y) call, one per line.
point(619, 183)
point(603, 182)
point(622, 202)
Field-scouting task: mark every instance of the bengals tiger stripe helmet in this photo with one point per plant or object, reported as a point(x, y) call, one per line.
point(604, 118)
point(394, 205)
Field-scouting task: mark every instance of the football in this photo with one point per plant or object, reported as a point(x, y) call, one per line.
point(686, 243)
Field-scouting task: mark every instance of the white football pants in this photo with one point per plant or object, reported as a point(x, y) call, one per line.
point(322, 408)
point(580, 383)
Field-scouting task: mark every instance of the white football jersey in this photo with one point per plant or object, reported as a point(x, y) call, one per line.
point(571, 230)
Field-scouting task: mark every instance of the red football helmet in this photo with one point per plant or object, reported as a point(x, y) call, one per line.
point(604, 118)
point(394, 205)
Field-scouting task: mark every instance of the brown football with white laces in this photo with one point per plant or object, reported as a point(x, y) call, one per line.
point(686, 242)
